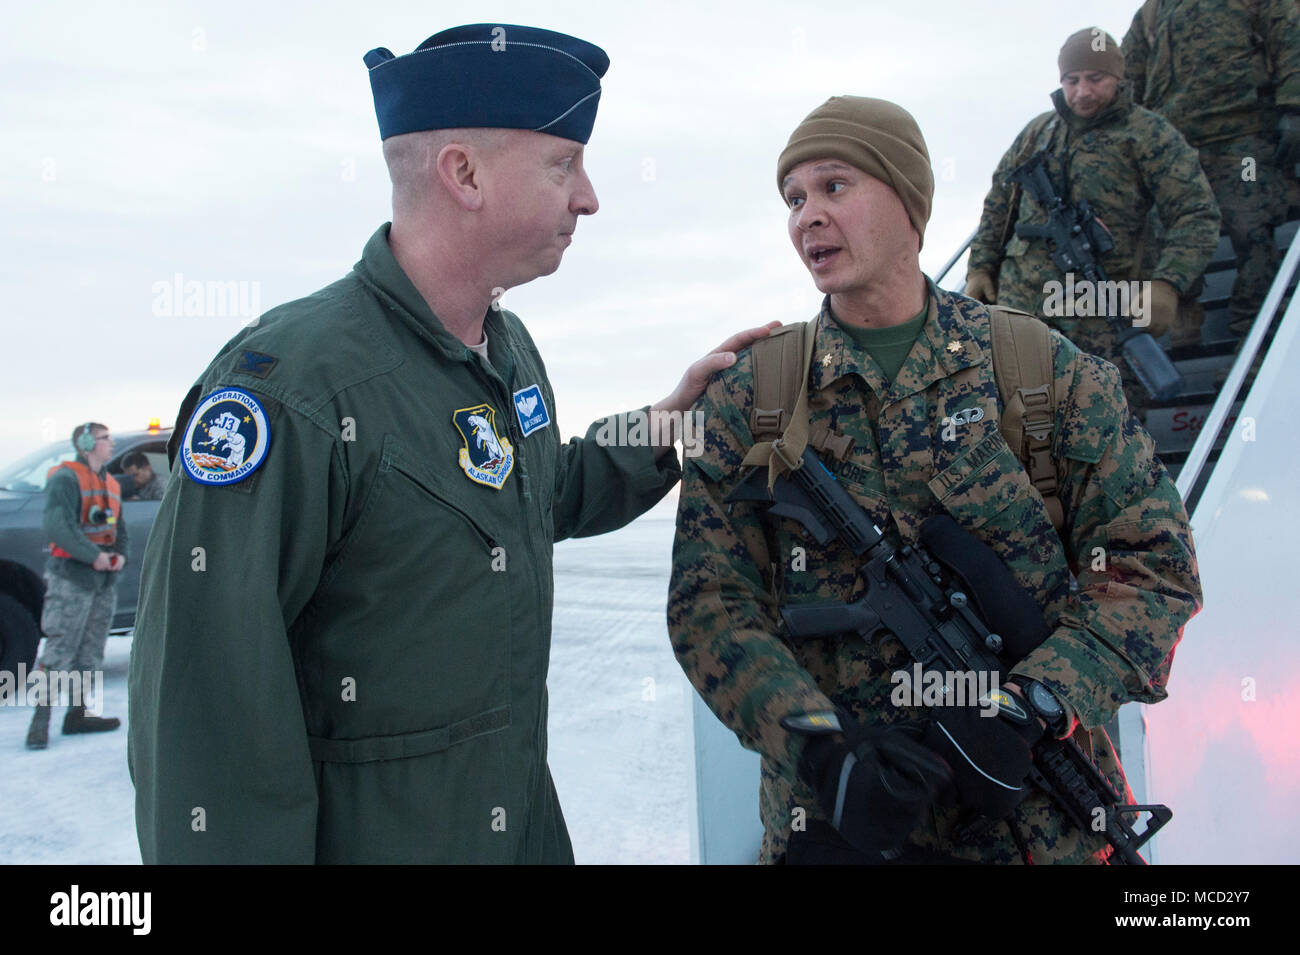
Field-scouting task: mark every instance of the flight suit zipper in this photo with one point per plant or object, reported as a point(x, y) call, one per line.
point(529, 501)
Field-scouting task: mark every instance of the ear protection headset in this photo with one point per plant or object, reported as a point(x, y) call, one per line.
point(85, 441)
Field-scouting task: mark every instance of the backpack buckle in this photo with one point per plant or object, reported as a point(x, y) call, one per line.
point(1038, 419)
point(768, 421)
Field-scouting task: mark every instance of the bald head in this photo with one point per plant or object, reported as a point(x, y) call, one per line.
point(478, 210)
point(412, 160)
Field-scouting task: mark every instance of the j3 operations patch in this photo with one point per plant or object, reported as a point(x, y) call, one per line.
point(226, 439)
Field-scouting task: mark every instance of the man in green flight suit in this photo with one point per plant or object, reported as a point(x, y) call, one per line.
point(912, 431)
point(1227, 74)
point(1124, 160)
point(345, 618)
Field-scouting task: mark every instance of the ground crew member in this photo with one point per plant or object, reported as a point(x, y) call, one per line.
point(345, 617)
point(1123, 160)
point(88, 549)
point(895, 362)
point(1228, 76)
point(148, 486)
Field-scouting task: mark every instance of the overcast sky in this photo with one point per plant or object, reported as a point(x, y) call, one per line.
point(236, 142)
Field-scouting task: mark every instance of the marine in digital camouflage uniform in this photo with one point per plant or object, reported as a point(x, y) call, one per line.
point(732, 568)
point(1124, 160)
point(1227, 74)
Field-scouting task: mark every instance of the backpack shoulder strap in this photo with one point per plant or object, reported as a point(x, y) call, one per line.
point(1022, 365)
point(780, 413)
point(778, 371)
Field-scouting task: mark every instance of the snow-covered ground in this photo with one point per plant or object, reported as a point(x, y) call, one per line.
point(620, 704)
point(619, 726)
point(73, 803)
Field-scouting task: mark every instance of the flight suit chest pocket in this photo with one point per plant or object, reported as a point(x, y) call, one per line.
point(458, 569)
point(418, 599)
point(434, 502)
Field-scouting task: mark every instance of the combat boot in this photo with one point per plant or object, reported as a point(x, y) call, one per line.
point(78, 722)
point(38, 734)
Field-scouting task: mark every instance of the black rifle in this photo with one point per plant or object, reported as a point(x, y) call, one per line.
point(924, 596)
point(1075, 237)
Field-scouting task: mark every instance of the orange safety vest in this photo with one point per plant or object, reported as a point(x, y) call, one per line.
point(105, 494)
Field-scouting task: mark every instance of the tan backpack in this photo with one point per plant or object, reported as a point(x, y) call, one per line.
point(1022, 366)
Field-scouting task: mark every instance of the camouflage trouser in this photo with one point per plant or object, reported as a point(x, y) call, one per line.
point(76, 620)
point(1251, 206)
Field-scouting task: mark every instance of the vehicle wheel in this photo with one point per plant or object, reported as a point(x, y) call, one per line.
point(19, 636)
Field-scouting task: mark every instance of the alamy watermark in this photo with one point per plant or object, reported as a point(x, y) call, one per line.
point(639, 429)
point(929, 688)
point(42, 687)
point(1102, 299)
point(191, 298)
point(131, 909)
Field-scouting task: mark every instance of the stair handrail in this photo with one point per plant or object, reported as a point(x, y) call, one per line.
point(956, 255)
point(1264, 320)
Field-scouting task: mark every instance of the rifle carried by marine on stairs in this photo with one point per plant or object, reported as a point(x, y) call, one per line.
point(1075, 237)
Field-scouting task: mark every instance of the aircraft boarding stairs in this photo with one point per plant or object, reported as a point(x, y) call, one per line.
point(1175, 425)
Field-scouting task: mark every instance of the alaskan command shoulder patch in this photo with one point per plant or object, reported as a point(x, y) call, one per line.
point(530, 408)
point(486, 458)
point(226, 439)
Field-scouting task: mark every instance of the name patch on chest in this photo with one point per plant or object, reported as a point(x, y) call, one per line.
point(855, 473)
point(969, 463)
point(486, 458)
point(530, 408)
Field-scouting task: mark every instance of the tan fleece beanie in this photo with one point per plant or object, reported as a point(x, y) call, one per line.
point(1091, 49)
point(874, 135)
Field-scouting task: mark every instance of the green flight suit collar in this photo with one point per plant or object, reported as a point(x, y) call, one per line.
point(1117, 111)
point(379, 270)
point(944, 347)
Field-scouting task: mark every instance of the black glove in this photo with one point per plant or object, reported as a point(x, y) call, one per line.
point(990, 757)
point(875, 785)
point(1288, 143)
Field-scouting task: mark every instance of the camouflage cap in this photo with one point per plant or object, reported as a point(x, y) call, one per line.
point(1091, 48)
point(878, 137)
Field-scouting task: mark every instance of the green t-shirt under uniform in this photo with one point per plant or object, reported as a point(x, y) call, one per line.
point(890, 346)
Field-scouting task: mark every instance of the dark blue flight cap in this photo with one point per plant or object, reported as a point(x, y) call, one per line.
point(494, 75)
